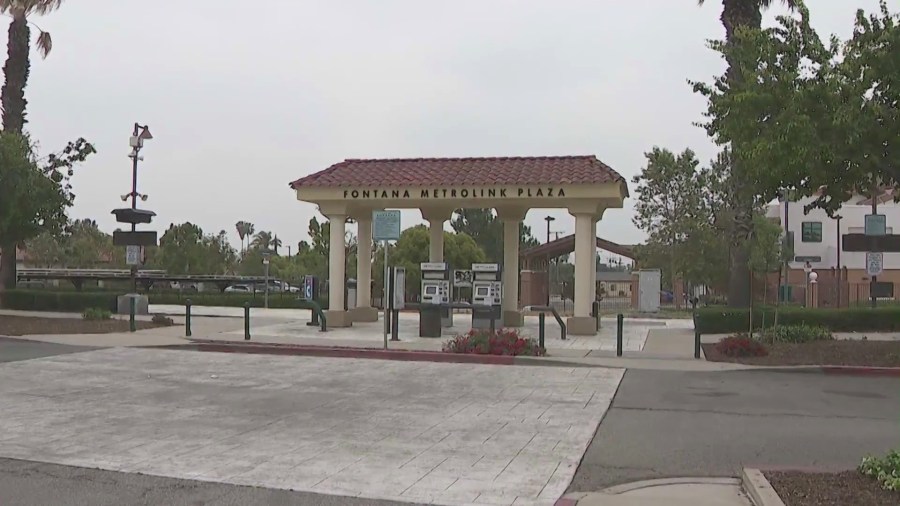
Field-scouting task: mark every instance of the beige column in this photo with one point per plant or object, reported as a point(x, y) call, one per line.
point(585, 246)
point(436, 240)
point(364, 312)
point(511, 219)
point(593, 260)
point(336, 315)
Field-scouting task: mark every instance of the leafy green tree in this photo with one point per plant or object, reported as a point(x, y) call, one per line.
point(486, 229)
point(262, 240)
point(670, 207)
point(737, 16)
point(34, 196)
point(812, 117)
point(185, 249)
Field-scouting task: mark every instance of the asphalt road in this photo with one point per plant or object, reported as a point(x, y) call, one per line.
point(24, 483)
point(12, 350)
point(672, 424)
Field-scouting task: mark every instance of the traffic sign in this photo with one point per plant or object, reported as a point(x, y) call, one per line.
point(876, 224)
point(132, 255)
point(874, 263)
point(386, 225)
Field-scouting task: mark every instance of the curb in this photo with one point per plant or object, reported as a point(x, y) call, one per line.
point(833, 370)
point(339, 352)
point(759, 489)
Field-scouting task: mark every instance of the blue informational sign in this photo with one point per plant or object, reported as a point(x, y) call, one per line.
point(308, 288)
point(386, 225)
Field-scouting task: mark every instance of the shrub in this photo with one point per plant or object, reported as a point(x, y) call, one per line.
point(96, 313)
point(741, 346)
point(727, 321)
point(500, 342)
point(42, 300)
point(796, 334)
point(163, 320)
point(885, 470)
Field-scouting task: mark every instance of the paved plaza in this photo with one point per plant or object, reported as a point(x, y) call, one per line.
point(410, 431)
point(289, 326)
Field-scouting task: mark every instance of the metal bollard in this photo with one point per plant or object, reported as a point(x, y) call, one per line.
point(187, 318)
point(246, 321)
point(541, 321)
point(132, 324)
point(696, 343)
point(620, 323)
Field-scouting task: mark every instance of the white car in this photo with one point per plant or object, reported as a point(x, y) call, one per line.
point(238, 289)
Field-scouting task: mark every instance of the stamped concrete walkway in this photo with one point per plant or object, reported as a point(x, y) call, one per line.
point(413, 431)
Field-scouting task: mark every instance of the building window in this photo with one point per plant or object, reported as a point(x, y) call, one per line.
point(612, 287)
point(811, 231)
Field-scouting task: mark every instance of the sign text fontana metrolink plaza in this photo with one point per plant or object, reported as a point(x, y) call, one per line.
point(456, 193)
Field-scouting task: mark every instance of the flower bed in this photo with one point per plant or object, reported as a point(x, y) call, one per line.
point(499, 342)
point(741, 346)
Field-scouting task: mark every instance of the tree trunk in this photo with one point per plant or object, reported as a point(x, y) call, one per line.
point(16, 72)
point(12, 99)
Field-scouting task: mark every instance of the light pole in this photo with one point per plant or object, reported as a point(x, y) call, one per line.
point(265, 256)
point(548, 219)
point(140, 134)
point(808, 271)
point(813, 279)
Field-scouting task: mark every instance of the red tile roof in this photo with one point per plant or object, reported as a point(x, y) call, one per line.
point(463, 171)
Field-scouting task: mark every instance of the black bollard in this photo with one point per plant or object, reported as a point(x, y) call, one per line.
point(132, 324)
point(541, 321)
point(246, 321)
point(620, 323)
point(694, 302)
point(187, 318)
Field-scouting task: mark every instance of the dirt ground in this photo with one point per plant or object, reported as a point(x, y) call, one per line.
point(837, 352)
point(24, 325)
point(830, 489)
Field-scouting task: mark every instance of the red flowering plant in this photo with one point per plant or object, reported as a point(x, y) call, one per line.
point(741, 346)
point(499, 342)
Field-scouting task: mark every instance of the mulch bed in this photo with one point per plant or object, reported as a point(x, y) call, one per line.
point(830, 489)
point(26, 325)
point(837, 352)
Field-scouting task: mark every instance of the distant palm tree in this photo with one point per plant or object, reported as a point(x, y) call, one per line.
point(738, 14)
point(276, 243)
point(245, 230)
point(262, 240)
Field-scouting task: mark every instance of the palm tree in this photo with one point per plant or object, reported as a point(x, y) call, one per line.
point(262, 240)
point(276, 243)
point(737, 14)
point(245, 230)
point(18, 56)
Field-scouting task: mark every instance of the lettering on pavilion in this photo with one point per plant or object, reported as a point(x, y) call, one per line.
point(456, 193)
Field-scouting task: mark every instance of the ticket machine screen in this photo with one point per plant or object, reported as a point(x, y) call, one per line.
point(482, 291)
point(431, 290)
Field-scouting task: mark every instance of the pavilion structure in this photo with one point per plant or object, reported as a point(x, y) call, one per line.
point(583, 185)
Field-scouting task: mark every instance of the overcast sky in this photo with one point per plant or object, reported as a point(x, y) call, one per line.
point(244, 97)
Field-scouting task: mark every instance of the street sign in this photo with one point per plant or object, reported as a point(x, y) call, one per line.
point(876, 224)
point(133, 255)
point(386, 225)
point(810, 259)
point(874, 263)
point(861, 242)
point(462, 278)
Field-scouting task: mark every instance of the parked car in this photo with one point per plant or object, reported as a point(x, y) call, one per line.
point(238, 289)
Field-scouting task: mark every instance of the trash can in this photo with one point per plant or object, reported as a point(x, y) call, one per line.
point(350, 295)
point(429, 320)
point(482, 316)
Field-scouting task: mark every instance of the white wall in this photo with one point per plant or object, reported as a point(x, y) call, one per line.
point(853, 218)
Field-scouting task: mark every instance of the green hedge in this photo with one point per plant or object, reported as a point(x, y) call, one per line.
point(77, 302)
point(276, 301)
point(726, 321)
point(68, 302)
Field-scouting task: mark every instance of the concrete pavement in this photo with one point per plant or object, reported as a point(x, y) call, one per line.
point(12, 350)
point(670, 492)
point(413, 431)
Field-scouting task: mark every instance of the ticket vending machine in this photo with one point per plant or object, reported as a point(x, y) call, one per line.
point(486, 291)
point(436, 289)
point(311, 293)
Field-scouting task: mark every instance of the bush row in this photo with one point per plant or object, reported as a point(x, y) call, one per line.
point(727, 321)
point(77, 302)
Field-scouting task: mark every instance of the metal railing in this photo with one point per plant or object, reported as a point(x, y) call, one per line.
point(542, 312)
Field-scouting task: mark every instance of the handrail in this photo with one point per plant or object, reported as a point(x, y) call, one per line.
point(317, 309)
point(545, 309)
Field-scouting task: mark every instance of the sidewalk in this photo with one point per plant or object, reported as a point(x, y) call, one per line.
point(666, 492)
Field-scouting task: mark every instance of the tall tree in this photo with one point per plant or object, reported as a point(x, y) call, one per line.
point(262, 240)
point(185, 249)
point(18, 57)
point(737, 15)
point(486, 229)
point(669, 205)
point(34, 197)
point(244, 231)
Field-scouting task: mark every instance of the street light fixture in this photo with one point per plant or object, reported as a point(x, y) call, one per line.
point(140, 134)
point(808, 271)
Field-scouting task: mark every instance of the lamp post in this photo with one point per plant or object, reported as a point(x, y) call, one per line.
point(813, 279)
point(265, 256)
point(140, 134)
point(548, 219)
point(808, 272)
